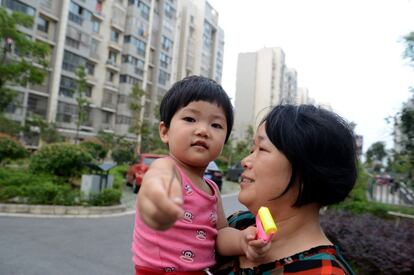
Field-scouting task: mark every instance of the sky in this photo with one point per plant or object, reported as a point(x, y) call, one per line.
point(348, 53)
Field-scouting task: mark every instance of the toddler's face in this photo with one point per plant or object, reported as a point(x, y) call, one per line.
point(196, 134)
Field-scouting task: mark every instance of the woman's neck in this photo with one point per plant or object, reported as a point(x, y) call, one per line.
point(297, 232)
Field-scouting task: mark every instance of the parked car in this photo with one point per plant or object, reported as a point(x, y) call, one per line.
point(234, 172)
point(214, 173)
point(384, 179)
point(137, 170)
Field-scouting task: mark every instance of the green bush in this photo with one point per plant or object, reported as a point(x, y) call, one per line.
point(60, 159)
point(106, 197)
point(11, 148)
point(119, 174)
point(19, 177)
point(358, 203)
point(9, 192)
point(35, 189)
point(50, 193)
point(95, 148)
point(123, 155)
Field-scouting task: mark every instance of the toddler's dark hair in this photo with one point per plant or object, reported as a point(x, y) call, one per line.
point(195, 88)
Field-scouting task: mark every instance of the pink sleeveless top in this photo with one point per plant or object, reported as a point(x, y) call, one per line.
point(187, 246)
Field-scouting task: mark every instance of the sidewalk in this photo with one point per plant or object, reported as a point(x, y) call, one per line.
point(128, 197)
point(126, 207)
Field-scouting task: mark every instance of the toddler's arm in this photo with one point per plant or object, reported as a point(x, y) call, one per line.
point(160, 196)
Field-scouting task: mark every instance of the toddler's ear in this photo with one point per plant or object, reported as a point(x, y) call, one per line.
point(163, 132)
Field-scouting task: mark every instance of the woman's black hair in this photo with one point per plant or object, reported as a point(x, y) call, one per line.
point(195, 88)
point(320, 147)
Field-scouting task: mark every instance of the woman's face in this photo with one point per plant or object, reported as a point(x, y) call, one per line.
point(266, 175)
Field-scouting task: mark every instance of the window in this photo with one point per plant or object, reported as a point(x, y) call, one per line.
point(114, 36)
point(166, 43)
point(106, 117)
point(110, 76)
point(129, 79)
point(96, 25)
point(88, 91)
point(90, 68)
point(66, 112)
point(112, 57)
point(122, 99)
point(125, 120)
point(37, 105)
point(137, 43)
point(72, 61)
point(42, 24)
point(15, 5)
point(141, 30)
point(163, 77)
point(144, 9)
point(165, 60)
point(207, 35)
point(169, 9)
point(72, 42)
point(67, 87)
point(76, 13)
point(94, 46)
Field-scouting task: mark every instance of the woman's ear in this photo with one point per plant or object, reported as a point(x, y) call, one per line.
point(163, 132)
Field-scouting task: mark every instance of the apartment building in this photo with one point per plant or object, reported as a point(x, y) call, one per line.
point(120, 43)
point(200, 40)
point(263, 80)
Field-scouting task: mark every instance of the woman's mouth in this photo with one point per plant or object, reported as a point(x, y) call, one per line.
point(246, 180)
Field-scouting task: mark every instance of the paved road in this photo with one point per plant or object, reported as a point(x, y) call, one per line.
point(71, 246)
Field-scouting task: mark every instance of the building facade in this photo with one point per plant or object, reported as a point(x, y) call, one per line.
point(120, 43)
point(263, 80)
point(201, 41)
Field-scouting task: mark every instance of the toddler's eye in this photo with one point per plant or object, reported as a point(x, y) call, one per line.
point(217, 125)
point(189, 119)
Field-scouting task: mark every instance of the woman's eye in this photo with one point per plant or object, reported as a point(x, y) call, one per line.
point(188, 119)
point(217, 125)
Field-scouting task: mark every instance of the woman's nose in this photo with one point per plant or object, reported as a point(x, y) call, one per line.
point(246, 162)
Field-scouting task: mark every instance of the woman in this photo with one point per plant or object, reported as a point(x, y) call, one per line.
point(303, 158)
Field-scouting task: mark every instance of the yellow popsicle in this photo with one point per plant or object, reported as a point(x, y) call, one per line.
point(266, 218)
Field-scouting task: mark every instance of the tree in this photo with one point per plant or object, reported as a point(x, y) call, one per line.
point(10, 149)
point(135, 106)
point(18, 56)
point(83, 103)
point(36, 125)
point(243, 147)
point(375, 155)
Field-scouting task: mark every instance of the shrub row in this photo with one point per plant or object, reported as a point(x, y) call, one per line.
point(373, 245)
point(23, 187)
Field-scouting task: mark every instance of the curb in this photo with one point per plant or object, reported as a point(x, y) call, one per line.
point(60, 210)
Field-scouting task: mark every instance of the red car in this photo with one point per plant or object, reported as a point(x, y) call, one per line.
point(137, 170)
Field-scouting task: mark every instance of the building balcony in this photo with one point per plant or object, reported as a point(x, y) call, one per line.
point(109, 106)
point(36, 113)
point(77, 19)
point(113, 65)
point(46, 36)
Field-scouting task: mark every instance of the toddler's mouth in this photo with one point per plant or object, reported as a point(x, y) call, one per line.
point(200, 143)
